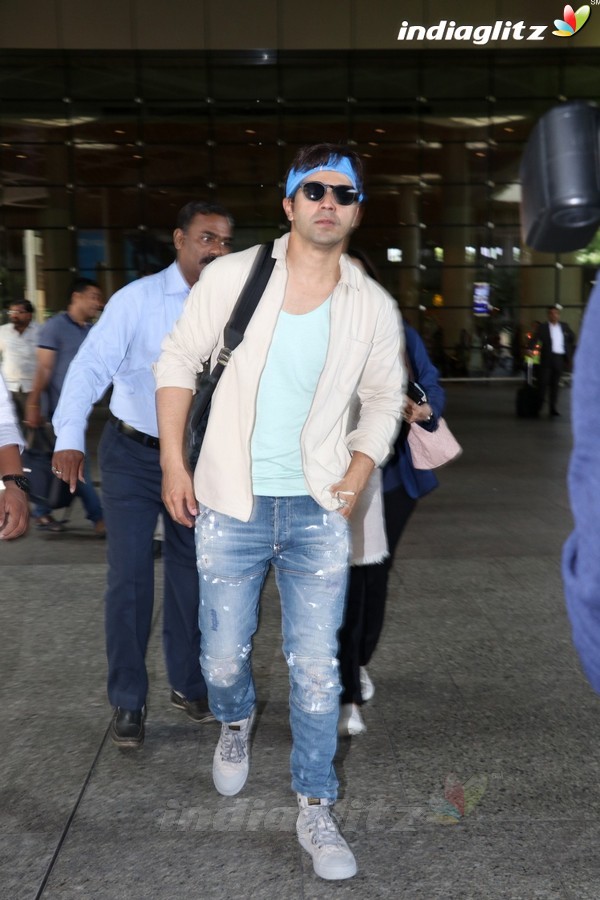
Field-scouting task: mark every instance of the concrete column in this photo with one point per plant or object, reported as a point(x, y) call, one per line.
point(456, 209)
point(408, 272)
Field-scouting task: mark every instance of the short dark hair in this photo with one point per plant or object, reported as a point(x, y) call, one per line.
point(195, 208)
point(27, 305)
point(79, 285)
point(313, 155)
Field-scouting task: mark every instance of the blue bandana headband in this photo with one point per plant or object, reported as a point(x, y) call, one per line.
point(339, 164)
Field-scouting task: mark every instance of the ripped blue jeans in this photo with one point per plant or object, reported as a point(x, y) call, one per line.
point(308, 548)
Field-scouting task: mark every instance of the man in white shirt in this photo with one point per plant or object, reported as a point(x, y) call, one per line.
point(14, 501)
point(557, 345)
point(18, 343)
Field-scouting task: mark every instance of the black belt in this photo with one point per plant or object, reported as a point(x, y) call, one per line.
point(129, 431)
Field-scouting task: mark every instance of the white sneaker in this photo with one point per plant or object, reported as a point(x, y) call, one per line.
point(367, 688)
point(350, 721)
point(231, 762)
point(319, 835)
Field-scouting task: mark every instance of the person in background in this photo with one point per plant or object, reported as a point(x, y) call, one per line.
point(58, 342)
point(556, 343)
point(120, 351)
point(14, 501)
point(18, 345)
point(403, 485)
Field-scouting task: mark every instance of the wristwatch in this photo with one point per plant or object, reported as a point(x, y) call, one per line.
point(21, 481)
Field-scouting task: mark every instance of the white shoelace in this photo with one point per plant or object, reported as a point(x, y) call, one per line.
point(233, 745)
point(323, 830)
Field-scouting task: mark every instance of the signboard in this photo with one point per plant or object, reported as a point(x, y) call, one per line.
point(481, 298)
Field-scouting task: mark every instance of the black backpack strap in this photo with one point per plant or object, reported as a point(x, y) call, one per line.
point(236, 326)
point(244, 308)
point(248, 300)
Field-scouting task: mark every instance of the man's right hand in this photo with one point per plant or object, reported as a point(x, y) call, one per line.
point(68, 466)
point(178, 495)
point(14, 512)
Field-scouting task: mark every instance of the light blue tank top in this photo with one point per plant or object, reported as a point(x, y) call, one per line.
point(287, 386)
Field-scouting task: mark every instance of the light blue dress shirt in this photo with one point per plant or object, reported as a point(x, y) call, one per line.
point(120, 350)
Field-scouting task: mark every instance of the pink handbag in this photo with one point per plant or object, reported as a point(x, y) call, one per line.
point(431, 449)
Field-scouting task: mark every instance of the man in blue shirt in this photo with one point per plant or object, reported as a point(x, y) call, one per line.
point(120, 351)
point(58, 343)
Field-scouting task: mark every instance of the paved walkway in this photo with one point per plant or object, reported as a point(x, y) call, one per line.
point(479, 776)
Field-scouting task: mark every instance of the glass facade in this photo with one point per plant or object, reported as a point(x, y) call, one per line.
point(99, 150)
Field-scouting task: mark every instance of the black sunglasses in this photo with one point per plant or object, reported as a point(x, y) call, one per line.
point(343, 194)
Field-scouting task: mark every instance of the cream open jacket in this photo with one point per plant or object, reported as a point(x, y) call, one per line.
point(363, 360)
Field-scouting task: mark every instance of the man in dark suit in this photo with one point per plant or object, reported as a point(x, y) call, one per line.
point(556, 351)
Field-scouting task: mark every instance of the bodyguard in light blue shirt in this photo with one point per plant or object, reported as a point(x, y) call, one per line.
point(120, 350)
point(126, 340)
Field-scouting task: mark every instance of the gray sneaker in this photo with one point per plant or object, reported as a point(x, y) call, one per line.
point(320, 836)
point(231, 762)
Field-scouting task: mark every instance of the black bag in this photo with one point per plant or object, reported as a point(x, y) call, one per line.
point(528, 402)
point(528, 397)
point(36, 459)
point(232, 336)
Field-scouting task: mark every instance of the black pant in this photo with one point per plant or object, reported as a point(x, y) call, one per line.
point(19, 399)
point(131, 494)
point(550, 375)
point(365, 605)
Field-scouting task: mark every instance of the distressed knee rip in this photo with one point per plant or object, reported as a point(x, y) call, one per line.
point(315, 683)
point(225, 672)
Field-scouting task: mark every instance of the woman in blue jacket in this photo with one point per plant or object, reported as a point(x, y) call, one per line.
point(403, 485)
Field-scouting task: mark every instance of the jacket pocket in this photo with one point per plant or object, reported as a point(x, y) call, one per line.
point(351, 365)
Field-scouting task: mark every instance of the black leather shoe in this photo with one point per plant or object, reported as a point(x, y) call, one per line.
point(127, 727)
point(157, 549)
point(197, 710)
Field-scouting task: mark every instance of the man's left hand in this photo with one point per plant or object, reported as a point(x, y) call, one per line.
point(349, 488)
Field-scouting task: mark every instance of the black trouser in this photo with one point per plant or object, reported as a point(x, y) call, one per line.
point(20, 401)
point(550, 375)
point(131, 493)
point(365, 605)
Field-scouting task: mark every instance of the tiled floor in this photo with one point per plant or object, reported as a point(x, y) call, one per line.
point(479, 776)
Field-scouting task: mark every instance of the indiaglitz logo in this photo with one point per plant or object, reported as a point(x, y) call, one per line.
point(449, 30)
point(573, 21)
point(459, 800)
point(476, 34)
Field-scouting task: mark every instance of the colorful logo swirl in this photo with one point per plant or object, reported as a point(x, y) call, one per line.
point(573, 21)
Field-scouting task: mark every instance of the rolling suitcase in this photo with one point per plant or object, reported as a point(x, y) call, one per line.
point(528, 397)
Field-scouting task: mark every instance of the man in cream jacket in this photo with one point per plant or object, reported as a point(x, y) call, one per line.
point(281, 469)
